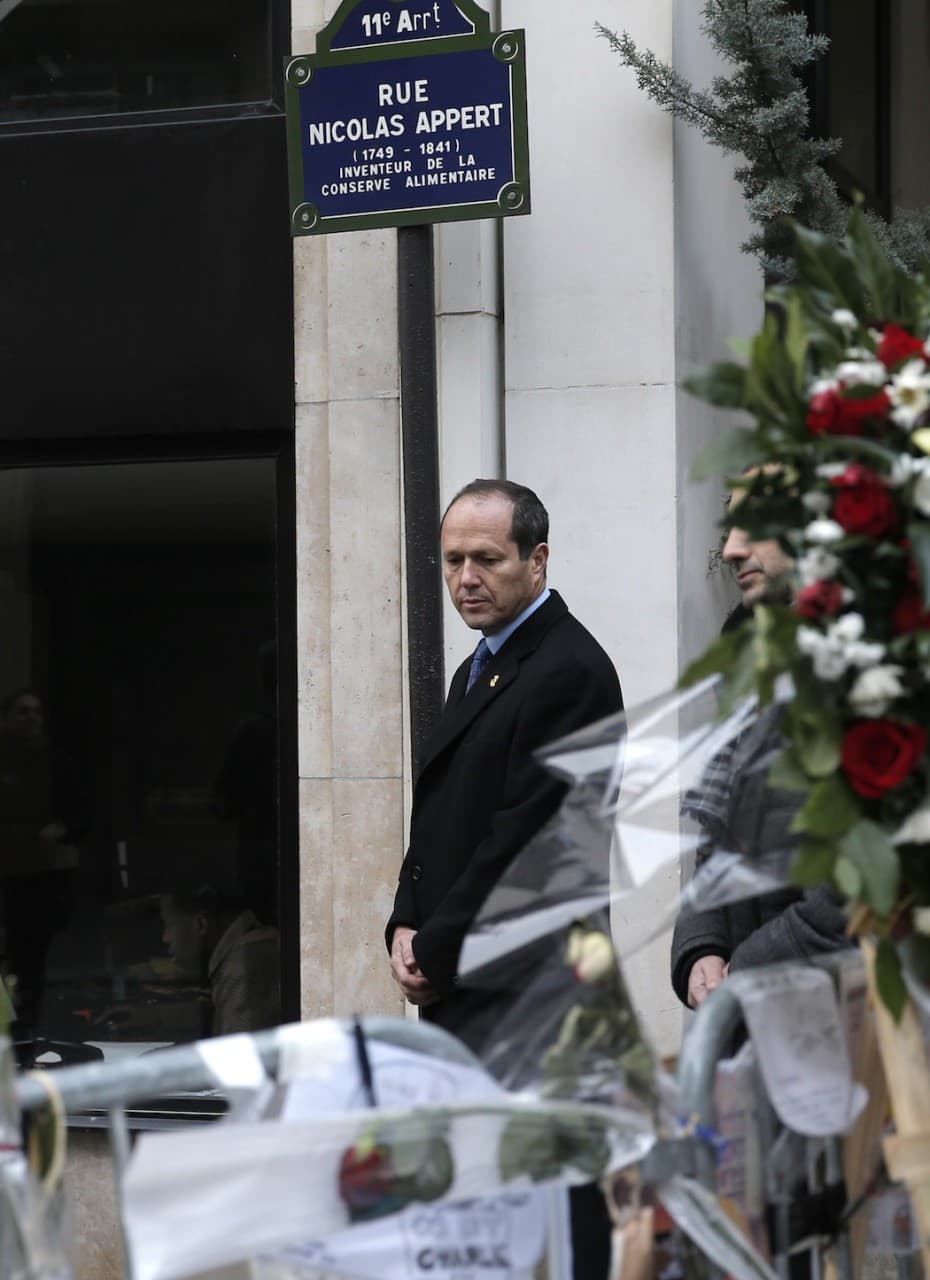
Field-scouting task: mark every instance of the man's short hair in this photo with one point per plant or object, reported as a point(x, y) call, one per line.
point(530, 523)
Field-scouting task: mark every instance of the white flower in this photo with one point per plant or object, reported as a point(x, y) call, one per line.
point(821, 385)
point(830, 470)
point(921, 918)
point(823, 532)
point(901, 470)
point(875, 690)
point(817, 502)
point(840, 648)
point(844, 318)
point(863, 654)
point(590, 955)
point(910, 393)
point(816, 565)
point(849, 627)
point(858, 373)
point(921, 491)
point(915, 829)
point(827, 656)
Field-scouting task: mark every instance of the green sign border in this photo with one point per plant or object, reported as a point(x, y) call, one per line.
point(507, 46)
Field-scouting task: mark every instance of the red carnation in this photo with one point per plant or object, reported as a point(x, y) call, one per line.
point(819, 600)
point(897, 345)
point(823, 413)
point(909, 614)
point(864, 504)
point(832, 413)
point(879, 754)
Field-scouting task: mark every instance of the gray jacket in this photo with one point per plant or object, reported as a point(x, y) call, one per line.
point(740, 813)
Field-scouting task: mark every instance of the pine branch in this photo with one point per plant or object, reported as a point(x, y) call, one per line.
point(760, 111)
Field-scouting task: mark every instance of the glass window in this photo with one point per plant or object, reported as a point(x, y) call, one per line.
point(138, 753)
point(852, 94)
point(66, 58)
point(849, 93)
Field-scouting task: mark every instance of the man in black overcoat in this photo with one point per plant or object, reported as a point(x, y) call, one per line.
point(481, 794)
point(536, 675)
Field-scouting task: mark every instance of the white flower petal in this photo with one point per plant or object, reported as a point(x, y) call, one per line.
point(915, 829)
point(823, 532)
point(875, 689)
point(859, 373)
point(817, 502)
point(830, 470)
point(843, 317)
point(816, 565)
point(920, 494)
point(849, 627)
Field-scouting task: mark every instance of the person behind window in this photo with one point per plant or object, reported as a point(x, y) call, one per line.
point(217, 942)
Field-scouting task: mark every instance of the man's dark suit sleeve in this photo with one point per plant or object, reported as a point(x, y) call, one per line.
point(574, 697)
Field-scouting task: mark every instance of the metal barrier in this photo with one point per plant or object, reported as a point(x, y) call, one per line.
point(708, 1040)
point(113, 1086)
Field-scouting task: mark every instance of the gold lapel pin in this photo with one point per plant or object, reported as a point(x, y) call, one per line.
point(494, 680)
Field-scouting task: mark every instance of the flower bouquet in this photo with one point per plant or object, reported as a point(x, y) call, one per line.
point(835, 466)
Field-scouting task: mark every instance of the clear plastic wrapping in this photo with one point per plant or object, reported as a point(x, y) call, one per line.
point(33, 1241)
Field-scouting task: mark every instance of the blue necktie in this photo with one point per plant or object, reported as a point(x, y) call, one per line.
point(482, 656)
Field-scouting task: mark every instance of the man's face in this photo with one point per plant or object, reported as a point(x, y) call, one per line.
point(488, 582)
point(758, 566)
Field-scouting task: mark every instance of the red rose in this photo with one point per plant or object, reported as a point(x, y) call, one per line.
point(909, 614)
point(855, 411)
point(897, 345)
point(834, 414)
point(823, 413)
point(820, 599)
point(879, 754)
point(864, 504)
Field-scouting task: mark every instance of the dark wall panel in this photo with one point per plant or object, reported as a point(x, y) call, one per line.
point(145, 281)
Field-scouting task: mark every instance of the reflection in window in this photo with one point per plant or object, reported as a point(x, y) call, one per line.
point(138, 770)
point(65, 58)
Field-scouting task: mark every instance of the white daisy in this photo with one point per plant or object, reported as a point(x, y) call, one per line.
point(910, 393)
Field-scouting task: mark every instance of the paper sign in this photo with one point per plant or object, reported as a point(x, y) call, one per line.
point(498, 1238)
point(794, 1022)
point(271, 1188)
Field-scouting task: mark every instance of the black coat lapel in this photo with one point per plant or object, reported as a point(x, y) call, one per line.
point(501, 671)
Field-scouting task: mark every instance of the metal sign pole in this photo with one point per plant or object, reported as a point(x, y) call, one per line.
point(416, 316)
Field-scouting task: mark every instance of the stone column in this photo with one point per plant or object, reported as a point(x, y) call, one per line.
point(350, 587)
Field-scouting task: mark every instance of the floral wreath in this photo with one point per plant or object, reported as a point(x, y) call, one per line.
point(836, 467)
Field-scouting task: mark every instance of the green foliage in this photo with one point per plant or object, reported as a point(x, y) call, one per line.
point(722, 384)
point(838, 449)
point(867, 848)
point(759, 111)
point(813, 863)
point(889, 979)
point(544, 1151)
point(730, 453)
point(829, 809)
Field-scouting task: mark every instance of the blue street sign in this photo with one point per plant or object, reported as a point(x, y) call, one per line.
point(410, 111)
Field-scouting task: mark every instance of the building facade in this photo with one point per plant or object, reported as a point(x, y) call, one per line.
point(204, 570)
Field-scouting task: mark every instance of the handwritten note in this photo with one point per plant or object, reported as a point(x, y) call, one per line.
point(795, 1025)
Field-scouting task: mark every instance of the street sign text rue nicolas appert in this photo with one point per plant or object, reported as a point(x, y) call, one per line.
point(410, 111)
